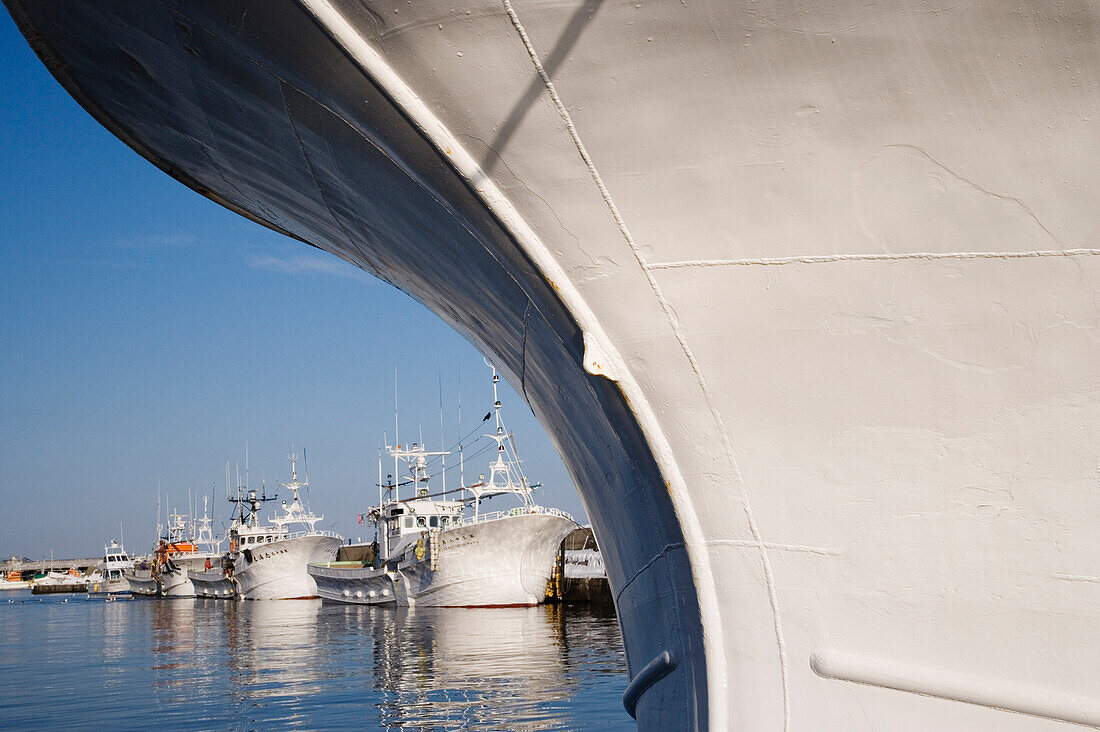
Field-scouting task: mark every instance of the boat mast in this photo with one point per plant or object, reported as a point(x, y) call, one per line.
point(380, 524)
point(503, 467)
point(396, 437)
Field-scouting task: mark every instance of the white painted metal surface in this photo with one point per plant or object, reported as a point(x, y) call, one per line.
point(278, 570)
point(213, 584)
point(270, 561)
point(502, 562)
point(833, 266)
point(108, 577)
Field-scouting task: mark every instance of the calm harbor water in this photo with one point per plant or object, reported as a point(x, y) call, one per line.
point(193, 664)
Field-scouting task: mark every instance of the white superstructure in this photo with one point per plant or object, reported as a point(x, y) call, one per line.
point(269, 561)
point(108, 577)
point(805, 293)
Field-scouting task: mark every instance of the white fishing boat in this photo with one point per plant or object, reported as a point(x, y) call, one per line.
point(214, 578)
point(269, 561)
point(427, 552)
point(805, 294)
point(181, 554)
point(139, 575)
point(215, 583)
point(108, 579)
point(13, 580)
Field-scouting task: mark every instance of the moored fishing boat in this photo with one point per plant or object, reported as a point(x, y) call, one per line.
point(13, 580)
point(188, 549)
point(215, 583)
point(139, 575)
point(214, 578)
point(429, 552)
point(269, 561)
point(108, 580)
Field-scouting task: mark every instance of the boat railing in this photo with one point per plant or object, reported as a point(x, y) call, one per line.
point(518, 511)
point(318, 532)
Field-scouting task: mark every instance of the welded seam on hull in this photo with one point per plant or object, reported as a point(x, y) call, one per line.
point(312, 170)
point(652, 560)
point(1077, 578)
point(769, 577)
point(523, 351)
point(825, 551)
point(871, 257)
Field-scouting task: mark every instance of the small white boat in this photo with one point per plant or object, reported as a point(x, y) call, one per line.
point(143, 583)
point(189, 549)
point(108, 579)
point(269, 562)
point(215, 583)
point(214, 578)
point(13, 580)
point(432, 554)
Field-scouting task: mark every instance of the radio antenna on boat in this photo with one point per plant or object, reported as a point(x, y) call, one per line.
point(442, 438)
point(461, 462)
point(379, 475)
point(396, 432)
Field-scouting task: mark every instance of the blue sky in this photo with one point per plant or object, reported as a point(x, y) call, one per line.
point(148, 334)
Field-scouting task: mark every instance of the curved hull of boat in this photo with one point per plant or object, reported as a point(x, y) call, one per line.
point(176, 583)
point(108, 587)
point(501, 563)
point(142, 584)
point(213, 584)
point(804, 293)
point(353, 585)
point(278, 571)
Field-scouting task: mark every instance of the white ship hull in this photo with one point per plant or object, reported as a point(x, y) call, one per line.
point(804, 293)
point(142, 583)
point(278, 570)
point(176, 583)
point(99, 588)
point(505, 562)
point(353, 585)
point(501, 563)
point(213, 584)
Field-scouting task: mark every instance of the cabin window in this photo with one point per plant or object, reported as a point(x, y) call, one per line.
point(408, 522)
point(252, 540)
point(433, 522)
point(420, 521)
point(442, 520)
point(397, 512)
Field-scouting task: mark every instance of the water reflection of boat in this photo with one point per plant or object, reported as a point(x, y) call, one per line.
point(455, 667)
point(273, 646)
